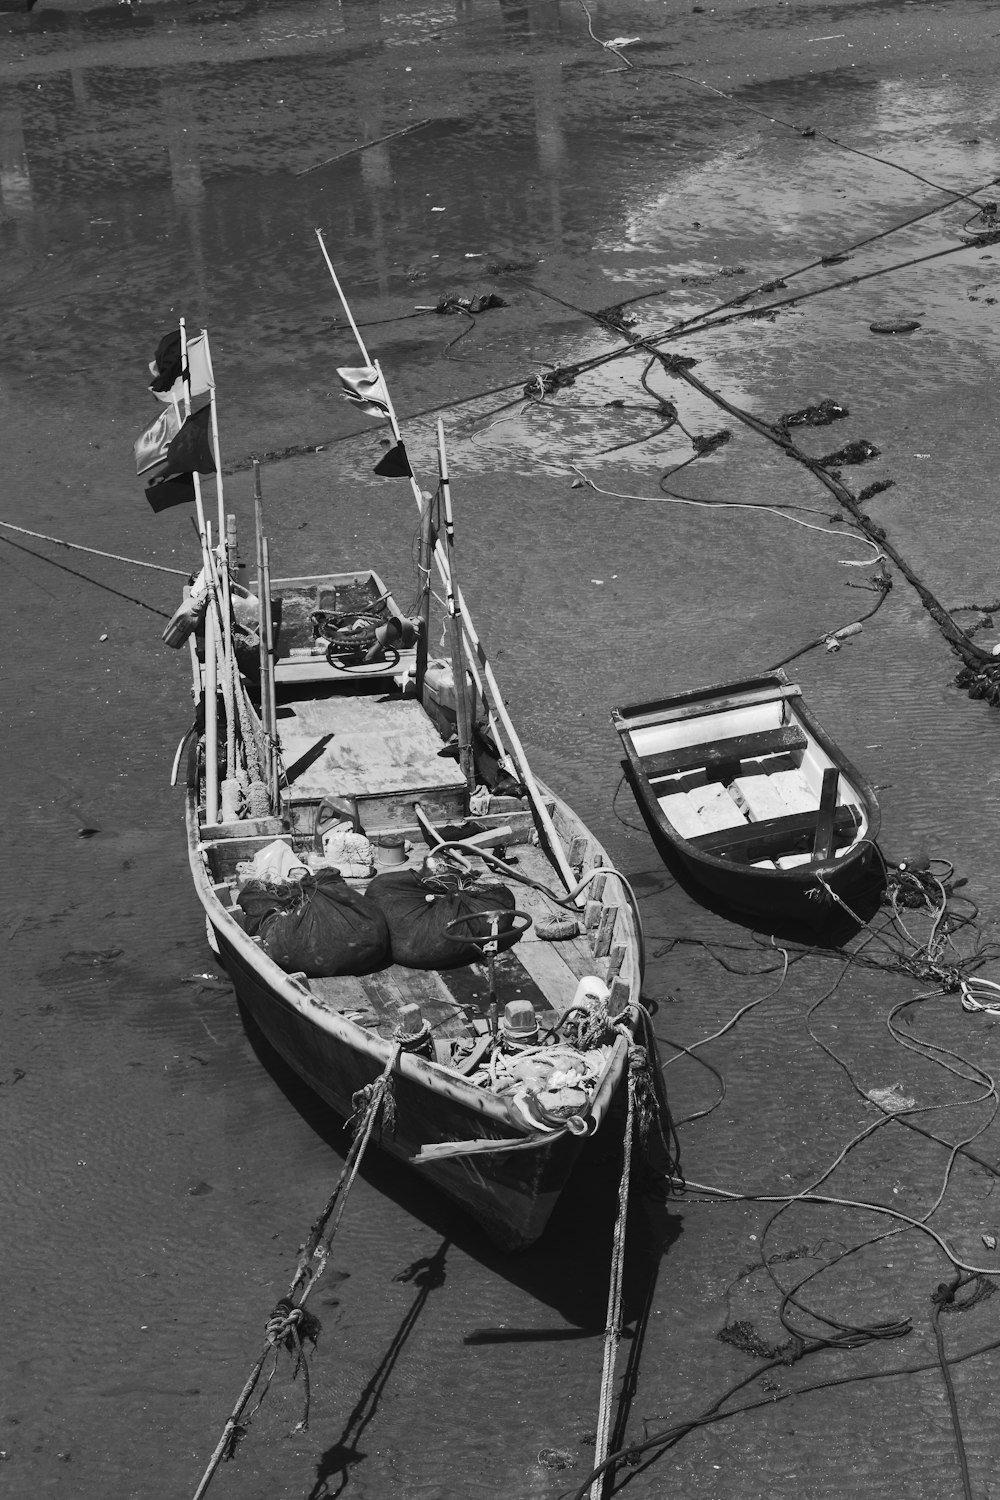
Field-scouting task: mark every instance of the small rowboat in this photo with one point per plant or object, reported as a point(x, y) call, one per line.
point(743, 787)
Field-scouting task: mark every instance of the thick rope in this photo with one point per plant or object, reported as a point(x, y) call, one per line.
point(287, 1323)
point(251, 740)
point(613, 1326)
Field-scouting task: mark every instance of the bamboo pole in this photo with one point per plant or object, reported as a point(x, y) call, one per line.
point(372, 364)
point(424, 554)
point(462, 713)
point(226, 593)
point(210, 700)
point(272, 707)
point(263, 622)
point(476, 653)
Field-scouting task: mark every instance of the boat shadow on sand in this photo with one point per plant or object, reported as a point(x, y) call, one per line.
point(566, 1270)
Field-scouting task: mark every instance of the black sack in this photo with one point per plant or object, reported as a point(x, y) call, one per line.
point(318, 926)
point(419, 908)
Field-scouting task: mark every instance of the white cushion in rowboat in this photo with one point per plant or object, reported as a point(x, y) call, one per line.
point(794, 791)
point(703, 809)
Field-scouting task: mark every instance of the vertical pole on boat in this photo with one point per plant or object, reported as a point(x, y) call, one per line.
point(218, 592)
point(424, 555)
point(210, 701)
point(477, 656)
point(462, 711)
point(263, 622)
point(226, 598)
point(199, 506)
point(272, 707)
point(517, 750)
point(232, 546)
point(372, 364)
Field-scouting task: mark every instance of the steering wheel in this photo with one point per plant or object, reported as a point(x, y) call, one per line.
point(349, 656)
point(480, 942)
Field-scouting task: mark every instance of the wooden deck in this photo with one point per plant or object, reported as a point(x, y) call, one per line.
point(381, 752)
point(453, 1001)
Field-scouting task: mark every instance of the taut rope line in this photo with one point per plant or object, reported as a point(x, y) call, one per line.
point(76, 547)
point(284, 1324)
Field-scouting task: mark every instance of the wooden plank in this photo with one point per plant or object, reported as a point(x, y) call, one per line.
point(605, 931)
point(672, 713)
point(344, 993)
point(788, 835)
point(716, 755)
point(226, 854)
point(268, 828)
point(575, 952)
point(619, 997)
point(550, 972)
point(390, 989)
point(515, 980)
point(616, 958)
point(392, 812)
point(823, 842)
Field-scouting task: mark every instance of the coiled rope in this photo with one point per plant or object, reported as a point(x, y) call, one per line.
point(289, 1323)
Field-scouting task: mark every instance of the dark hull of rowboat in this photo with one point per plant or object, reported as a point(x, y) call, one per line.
point(816, 892)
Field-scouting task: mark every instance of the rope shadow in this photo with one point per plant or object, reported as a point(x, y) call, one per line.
point(428, 1274)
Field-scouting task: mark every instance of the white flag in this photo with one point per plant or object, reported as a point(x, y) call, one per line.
point(365, 389)
point(152, 446)
point(199, 363)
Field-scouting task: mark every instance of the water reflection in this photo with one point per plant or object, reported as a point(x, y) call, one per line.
point(15, 178)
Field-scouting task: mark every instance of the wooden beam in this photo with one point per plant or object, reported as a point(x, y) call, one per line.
point(714, 755)
point(823, 842)
point(752, 841)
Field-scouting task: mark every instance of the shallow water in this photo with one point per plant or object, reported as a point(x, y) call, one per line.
point(160, 1169)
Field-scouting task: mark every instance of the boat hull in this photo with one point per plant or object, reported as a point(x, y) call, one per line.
point(511, 1195)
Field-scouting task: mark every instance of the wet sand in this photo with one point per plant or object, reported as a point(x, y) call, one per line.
point(158, 1169)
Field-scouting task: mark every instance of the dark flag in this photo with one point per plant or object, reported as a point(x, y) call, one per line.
point(394, 464)
point(165, 367)
point(170, 489)
point(171, 481)
point(190, 452)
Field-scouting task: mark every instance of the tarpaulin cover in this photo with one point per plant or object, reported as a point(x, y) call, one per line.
point(419, 908)
point(318, 926)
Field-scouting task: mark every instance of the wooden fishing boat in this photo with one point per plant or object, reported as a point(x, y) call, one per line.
point(486, 1102)
point(744, 788)
point(494, 963)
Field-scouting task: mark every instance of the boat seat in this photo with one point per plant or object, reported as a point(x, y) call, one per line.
point(720, 756)
point(776, 836)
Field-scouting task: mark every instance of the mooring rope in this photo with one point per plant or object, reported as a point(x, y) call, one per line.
point(76, 547)
point(613, 1325)
point(289, 1323)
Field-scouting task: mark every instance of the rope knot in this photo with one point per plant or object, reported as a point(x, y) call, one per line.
point(285, 1318)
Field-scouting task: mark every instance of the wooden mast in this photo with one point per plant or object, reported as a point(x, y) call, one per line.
point(477, 658)
point(462, 711)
